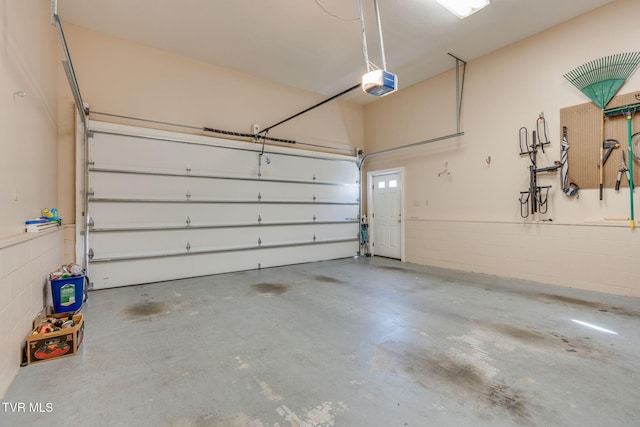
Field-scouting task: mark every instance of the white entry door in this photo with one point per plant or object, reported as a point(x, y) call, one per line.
point(386, 217)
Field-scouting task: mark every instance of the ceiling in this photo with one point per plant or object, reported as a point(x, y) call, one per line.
point(316, 45)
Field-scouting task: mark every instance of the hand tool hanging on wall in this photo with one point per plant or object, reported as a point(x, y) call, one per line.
point(623, 169)
point(628, 111)
point(568, 188)
point(601, 164)
point(629, 114)
point(609, 145)
point(600, 80)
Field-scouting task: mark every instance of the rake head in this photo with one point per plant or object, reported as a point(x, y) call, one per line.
point(601, 78)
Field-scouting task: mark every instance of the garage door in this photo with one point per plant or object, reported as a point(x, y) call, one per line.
point(165, 205)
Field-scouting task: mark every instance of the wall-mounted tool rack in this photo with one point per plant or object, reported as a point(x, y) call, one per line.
point(535, 199)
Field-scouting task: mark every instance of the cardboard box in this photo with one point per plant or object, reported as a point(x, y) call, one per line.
point(54, 345)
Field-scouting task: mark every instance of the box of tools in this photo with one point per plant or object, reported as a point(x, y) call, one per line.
point(54, 336)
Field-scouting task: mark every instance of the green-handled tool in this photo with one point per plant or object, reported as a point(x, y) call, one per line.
point(630, 150)
point(628, 111)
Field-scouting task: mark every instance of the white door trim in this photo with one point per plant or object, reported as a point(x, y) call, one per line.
point(370, 176)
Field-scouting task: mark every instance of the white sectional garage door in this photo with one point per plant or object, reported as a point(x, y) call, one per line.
point(164, 205)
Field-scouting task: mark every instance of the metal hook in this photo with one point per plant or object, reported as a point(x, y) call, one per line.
point(445, 171)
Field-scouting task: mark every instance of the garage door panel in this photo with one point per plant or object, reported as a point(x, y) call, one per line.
point(168, 207)
point(314, 212)
point(122, 273)
point(163, 242)
point(141, 154)
point(123, 214)
point(126, 214)
point(283, 167)
point(319, 252)
point(140, 186)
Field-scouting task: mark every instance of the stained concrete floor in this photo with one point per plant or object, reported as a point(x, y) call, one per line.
point(355, 342)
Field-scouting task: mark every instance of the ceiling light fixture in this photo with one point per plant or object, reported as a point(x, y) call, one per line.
point(464, 8)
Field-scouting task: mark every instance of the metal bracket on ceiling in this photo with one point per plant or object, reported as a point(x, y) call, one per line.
point(458, 133)
point(459, 87)
point(54, 11)
point(68, 69)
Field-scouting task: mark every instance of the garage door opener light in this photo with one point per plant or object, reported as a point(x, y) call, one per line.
point(377, 82)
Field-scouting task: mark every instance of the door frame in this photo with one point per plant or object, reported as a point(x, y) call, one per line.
point(370, 176)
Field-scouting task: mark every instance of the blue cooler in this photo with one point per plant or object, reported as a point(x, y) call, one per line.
point(67, 294)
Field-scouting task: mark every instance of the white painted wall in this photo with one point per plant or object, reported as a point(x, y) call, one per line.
point(470, 220)
point(25, 264)
point(120, 77)
point(28, 172)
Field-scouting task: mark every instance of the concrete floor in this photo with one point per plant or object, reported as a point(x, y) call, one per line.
point(355, 342)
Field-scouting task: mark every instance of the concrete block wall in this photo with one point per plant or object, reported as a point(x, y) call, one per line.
point(25, 263)
point(602, 258)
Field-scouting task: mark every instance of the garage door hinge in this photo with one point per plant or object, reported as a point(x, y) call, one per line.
point(373, 244)
point(188, 195)
point(90, 192)
point(91, 224)
point(90, 134)
point(188, 221)
point(90, 254)
point(259, 219)
point(188, 246)
point(314, 218)
point(259, 241)
point(314, 238)
point(259, 196)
